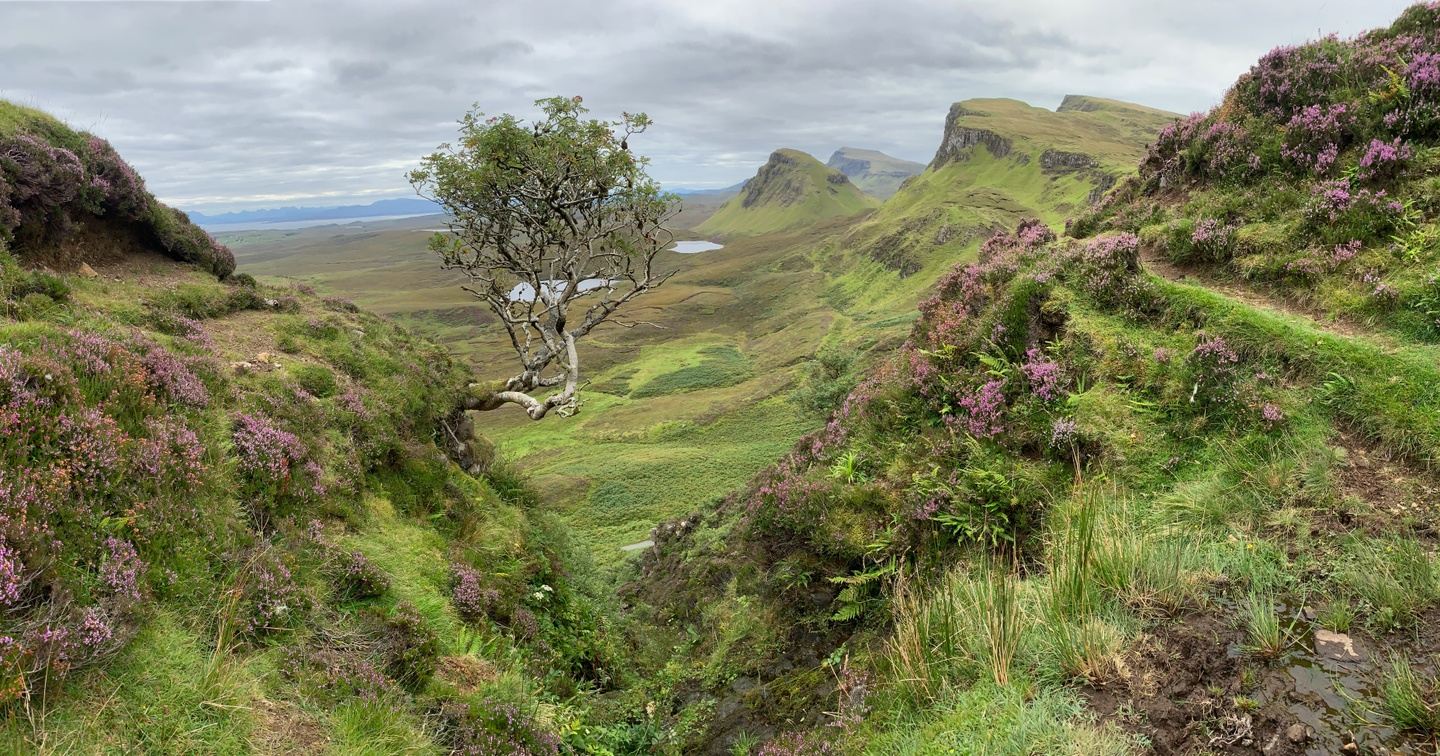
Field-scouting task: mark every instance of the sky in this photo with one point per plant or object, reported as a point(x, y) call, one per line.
point(239, 105)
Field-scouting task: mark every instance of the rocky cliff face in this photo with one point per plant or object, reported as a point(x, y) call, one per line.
point(1060, 161)
point(958, 139)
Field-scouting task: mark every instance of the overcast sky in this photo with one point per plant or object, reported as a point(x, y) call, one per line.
point(227, 105)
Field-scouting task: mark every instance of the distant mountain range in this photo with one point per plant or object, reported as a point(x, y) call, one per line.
point(877, 174)
point(402, 206)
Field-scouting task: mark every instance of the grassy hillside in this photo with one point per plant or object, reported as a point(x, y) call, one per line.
point(225, 527)
point(1166, 485)
point(790, 191)
point(877, 174)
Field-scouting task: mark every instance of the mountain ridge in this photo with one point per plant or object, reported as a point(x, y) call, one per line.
point(394, 206)
point(791, 189)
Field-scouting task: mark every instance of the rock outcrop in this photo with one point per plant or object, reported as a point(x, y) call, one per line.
point(958, 140)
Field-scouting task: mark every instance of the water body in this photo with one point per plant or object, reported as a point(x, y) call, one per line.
point(693, 246)
point(220, 228)
point(524, 292)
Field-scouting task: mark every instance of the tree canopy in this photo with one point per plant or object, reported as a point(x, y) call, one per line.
point(556, 225)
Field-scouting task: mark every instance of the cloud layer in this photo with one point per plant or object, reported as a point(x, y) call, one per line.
point(228, 105)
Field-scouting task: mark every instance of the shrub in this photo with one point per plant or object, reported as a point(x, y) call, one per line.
point(493, 728)
point(471, 600)
point(359, 578)
point(409, 646)
point(185, 241)
point(270, 599)
point(44, 183)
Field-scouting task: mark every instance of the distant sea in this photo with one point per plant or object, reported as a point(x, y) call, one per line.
point(220, 228)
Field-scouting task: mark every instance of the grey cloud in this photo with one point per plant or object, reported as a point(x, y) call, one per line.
point(224, 105)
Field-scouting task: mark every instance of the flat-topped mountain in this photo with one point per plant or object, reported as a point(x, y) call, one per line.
point(792, 189)
point(877, 174)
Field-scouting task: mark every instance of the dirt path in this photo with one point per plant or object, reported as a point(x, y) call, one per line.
point(1260, 300)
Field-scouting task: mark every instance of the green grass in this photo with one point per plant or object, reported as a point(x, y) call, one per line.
point(151, 698)
point(720, 366)
point(1411, 700)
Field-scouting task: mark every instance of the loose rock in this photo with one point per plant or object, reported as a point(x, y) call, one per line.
point(1337, 646)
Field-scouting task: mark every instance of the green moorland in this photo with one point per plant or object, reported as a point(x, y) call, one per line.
point(1163, 485)
point(804, 308)
point(792, 190)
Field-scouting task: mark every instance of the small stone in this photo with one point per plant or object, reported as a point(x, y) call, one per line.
point(1297, 733)
point(1350, 747)
point(242, 368)
point(1337, 646)
point(86, 271)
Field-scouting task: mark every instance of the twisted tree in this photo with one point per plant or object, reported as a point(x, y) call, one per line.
point(556, 225)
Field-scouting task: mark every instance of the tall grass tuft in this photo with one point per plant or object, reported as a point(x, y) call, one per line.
point(1267, 639)
point(927, 648)
point(1412, 701)
point(995, 600)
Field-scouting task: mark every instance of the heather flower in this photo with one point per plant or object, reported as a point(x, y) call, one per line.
point(361, 579)
point(1214, 352)
point(524, 624)
point(120, 570)
point(1033, 233)
point(471, 601)
point(984, 410)
point(1213, 238)
point(1063, 432)
point(172, 377)
point(1162, 355)
point(352, 402)
point(1044, 376)
point(194, 332)
point(12, 575)
point(94, 630)
point(265, 451)
point(1384, 160)
point(1423, 73)
point(271, 594)
point(1313, 136)
point(1271, 414)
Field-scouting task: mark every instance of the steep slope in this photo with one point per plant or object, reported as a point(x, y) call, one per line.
point(1079, 473)
point(999, 161)
point(877, 174)
point(791, 190)
point(226, 525)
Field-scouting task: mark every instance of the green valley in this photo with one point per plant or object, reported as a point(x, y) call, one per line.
point(1106, 431)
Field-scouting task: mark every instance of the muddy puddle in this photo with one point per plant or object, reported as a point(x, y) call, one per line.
point(1335, 690)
